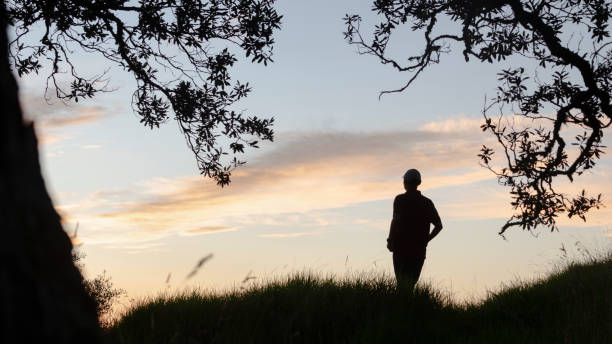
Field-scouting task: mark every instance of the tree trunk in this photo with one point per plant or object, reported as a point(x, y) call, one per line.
point(42, 299)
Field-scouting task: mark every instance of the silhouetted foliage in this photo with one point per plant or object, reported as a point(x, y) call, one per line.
point(100, 289)
point(167, 45)
point(567, 95)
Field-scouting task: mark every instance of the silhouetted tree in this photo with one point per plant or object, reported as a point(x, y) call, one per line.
point(42, 297)
point(567, 95)
point(168, 47)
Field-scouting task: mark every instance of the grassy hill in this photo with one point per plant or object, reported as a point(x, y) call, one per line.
point(572, 305)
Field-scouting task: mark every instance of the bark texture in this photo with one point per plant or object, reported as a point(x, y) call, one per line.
point(42, 299)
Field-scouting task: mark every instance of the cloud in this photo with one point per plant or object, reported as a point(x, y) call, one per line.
point(54, 119)
point(203, 230)
point(299, 188)
point(46, 138)
point(400, 146)
point(78, 116)
point(452, 125)
point(287, 235)
point(91, 146)
point(302, 174)
point(493, 201)
point(54, 154)
point(55, 113)
point(464, 124)
point(137, 247)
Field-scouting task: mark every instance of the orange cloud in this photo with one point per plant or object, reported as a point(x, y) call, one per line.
point(453, 125)
point(202, 230)
point(80, 116)
point(52, 113)
point(287, 235)
point(45, 138)
point(51, 118)
point(299, 189)
point(302, 174)
point(472, 124)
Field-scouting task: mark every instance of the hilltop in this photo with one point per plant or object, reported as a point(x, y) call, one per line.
point(571, 305)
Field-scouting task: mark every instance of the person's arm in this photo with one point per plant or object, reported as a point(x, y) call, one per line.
point(392, 229)
point(436, 222)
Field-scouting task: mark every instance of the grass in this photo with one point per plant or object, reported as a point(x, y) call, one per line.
point(572, 305)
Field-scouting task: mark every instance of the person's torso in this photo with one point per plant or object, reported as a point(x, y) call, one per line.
point(413, 217)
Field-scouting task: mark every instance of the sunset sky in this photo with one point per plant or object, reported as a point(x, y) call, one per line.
point(320, 196)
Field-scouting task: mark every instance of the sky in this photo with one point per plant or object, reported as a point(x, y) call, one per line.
point(319, 198)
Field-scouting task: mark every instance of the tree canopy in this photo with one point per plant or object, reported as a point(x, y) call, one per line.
point(565, 101)
point(180, 53)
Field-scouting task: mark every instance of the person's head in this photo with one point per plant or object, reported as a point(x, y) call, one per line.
point(412, 179)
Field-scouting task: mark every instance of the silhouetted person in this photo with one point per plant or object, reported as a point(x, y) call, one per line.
point(410, 230)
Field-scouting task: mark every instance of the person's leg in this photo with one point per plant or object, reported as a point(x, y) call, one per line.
point(414, 268)
point(401, 266)
point(398, 268)
point(407, 270)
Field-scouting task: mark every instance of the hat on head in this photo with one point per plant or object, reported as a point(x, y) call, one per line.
point(412, 176)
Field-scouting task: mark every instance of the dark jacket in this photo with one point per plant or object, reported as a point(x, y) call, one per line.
point(413, 214)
